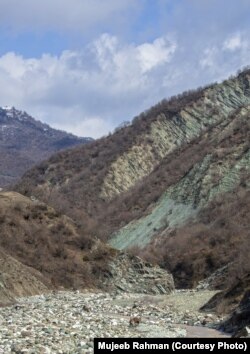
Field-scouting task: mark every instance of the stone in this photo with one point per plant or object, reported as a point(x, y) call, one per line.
point(132, 274)
point(50, 325)
point(243, 333)
point(26, 333)
point(134, 321)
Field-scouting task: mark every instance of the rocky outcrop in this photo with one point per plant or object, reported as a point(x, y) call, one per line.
point(240, 318)
point(219, 171)
point(242, 333)
point(216, 105)
point(232, 300)
point(215, 280)
point(131, 274)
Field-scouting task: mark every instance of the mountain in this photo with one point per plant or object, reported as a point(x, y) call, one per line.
point(172, 187)
point(41, 250)
point(40, 237)
point(25, 141)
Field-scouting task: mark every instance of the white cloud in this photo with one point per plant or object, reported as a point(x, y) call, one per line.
point(235, 42)
point(128, 66)
point(90, 91)
point(153, 54)
point(90, 126)
point(86, 92)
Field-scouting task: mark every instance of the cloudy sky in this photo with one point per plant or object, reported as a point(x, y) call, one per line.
point(87, 65)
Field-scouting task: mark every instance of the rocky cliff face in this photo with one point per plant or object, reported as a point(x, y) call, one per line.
point(219, 171)
point(130, 274)
point(217, 104)
point(93, 176)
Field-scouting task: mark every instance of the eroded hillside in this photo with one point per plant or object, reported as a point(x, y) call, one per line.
point(225, 160)
point(39, 237)
point(159, 185)
point(215, 105)
point(18, 280)
point(90, 176)
point(51, 252)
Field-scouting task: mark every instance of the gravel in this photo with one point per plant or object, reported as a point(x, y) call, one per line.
point(67, 322)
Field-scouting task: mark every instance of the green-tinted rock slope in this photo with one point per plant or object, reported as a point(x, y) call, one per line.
point(218, 172)
point(216, 105)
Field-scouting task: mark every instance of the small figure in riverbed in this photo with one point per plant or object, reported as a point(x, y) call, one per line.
point(134, 321)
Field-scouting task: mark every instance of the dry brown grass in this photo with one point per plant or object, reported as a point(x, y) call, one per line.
point(50, 242)
point(191, 253)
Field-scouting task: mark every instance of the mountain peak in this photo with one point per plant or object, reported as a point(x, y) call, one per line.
point(7, 108)
point(12, 112)
point(25, 141)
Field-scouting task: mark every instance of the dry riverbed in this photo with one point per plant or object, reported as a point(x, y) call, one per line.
point(67, 322)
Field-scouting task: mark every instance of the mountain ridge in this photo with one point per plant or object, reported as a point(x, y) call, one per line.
point(112, 166)
point(42, 250)
point(25, 141)
point(157, 187)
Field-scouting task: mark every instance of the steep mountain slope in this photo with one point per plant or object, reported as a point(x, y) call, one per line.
point(201, 222)
point(51, 251)
point(25, 141)
point(39, 237)
point(17, 280)
point(160, 179)
point(218, 236)
point(223, 160)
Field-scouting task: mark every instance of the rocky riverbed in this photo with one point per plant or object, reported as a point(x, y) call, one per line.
point(67, 322)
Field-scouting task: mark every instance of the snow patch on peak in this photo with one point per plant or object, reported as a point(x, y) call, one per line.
point(7, 108)
point(12, 112)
